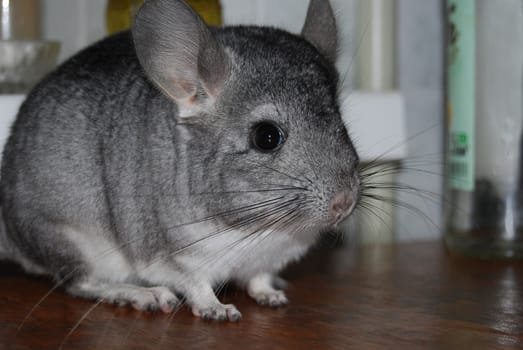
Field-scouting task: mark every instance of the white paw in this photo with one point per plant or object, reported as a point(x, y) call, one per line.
point(146, 299)
point(261, 289)
point(273, 298)
point(218, 312)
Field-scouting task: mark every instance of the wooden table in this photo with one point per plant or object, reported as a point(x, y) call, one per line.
point(410, 296)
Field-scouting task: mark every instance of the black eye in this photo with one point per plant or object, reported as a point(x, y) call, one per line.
point(267, 137)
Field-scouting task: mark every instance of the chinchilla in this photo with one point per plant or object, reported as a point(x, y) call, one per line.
point(165, 161)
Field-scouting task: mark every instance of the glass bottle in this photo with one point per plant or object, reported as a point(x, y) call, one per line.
point(120, 13)
point(484, 202)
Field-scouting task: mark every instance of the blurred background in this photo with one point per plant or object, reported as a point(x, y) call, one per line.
point(391, 61)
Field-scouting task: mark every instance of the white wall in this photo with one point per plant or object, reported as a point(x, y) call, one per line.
point(75, 23)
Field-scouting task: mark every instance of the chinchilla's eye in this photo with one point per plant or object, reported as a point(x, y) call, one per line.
point(267, 137)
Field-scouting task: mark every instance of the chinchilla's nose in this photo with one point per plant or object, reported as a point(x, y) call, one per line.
point(341, 206)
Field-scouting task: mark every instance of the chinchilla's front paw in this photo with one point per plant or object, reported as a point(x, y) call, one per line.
point(274, 298)
point(152, 299)
point(140, 298)
point(261, 289)
point(218, 312)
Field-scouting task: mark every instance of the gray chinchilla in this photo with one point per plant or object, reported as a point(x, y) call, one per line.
point(164, 161)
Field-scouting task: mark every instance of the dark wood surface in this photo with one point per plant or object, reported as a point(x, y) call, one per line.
point(410, 296)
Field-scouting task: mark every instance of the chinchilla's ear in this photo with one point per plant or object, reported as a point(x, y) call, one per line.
point(320, 28)
point(179, 52)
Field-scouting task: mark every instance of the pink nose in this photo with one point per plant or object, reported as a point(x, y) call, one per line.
point(341, 206)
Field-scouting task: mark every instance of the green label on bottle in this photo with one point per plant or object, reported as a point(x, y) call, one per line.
point(461, 90)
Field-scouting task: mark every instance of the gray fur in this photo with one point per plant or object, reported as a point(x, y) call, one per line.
point(114, 186)
point(320, 28)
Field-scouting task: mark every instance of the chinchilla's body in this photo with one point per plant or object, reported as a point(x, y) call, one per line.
point(177, 157)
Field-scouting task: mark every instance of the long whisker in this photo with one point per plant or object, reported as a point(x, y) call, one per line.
point(237, 225)
point(261, 232)
point(404, 164)
point(373, 209)
point(190, 194)
point(282, 173)
point(398, 186)
point(77, 324)
point(37, 305)
point(270, 227)
point(230, 212)
point(281, 222)
point(397, 170)
point(397, 145)
point(402, 204)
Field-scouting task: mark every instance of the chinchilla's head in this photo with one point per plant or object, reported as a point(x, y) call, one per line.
point(264, 142)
